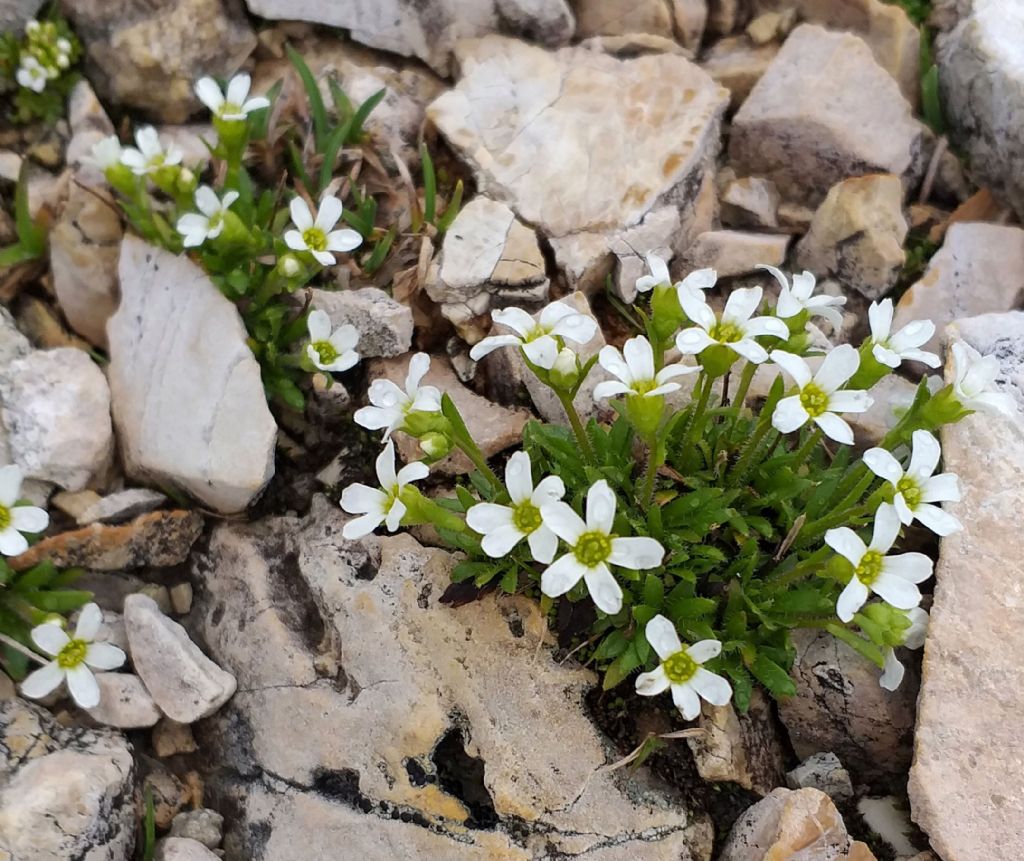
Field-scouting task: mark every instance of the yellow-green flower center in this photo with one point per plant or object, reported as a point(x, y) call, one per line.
point(325, 350)
point(910, 490)
point(642, 387)
point(526, 517)
point(72, 654)
point(679, 667)
point(315, 239)
point(870, 567)
point(5, 517)
point(592, 548)
point(726, 333)
point(813, 399)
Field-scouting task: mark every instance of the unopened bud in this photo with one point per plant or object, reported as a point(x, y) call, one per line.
point(565, 372)
point(435, 445)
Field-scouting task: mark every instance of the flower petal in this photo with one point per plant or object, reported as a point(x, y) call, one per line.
point(686, 700)
point(328, 213)
point(575, 327)
point(789, 415)
point(43, 681)
point(82, 687)
point(238, 89)
point(375, 418)
point(489, 345)
point(601, 503)
point(766, 326)
point(385, 464)
point(12, 542)
point(793, 365)
point(638, 552)
point(883, 464)
point(750, 350)
point(886, 528)
point(639, 356)
point(543, 544)
point(485, 517)
point(925, 456)
point(362, 499)
point(610, 389)
point(704, 650)
point(28, 518)
point(293, 239)
point(89, 620)
point(104, 656)
point(345, 338)
point(419, 365)
point(892, 672)
point(611, 360)
point(694, 340)
point(902, 594)
point(695, 307)
point(559, 577)
point(563, 521)
point(938, 521)
point(501, 541)
point(343, 240)
point(885, 356)
point(209, 94)
point(393, 519)
point(360, 527)
point(835, 428)
point(50, 638)
point(207, 200)
point(604, 590)
point(10, 484)
point(662, 636)
point(880, 318)
point(542, 351)
point(847, 544)
point(318, 324)
point(912, 567)
point(838, 366)
point(851, 599)
point(712, 687)
point(324, 258)
point(653, 683)
point(941, 488)
point(516, 319)
point(518, 477)
point(549, 489)
point(741, 304)
point(415, 471)
point(302, 218)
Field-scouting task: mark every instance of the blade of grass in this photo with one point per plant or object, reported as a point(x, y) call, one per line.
point(451, 210)
point(356, 134)
point(342, 103)
point(316, 102)
point(334, 143)
point(380, 252)
point(260, 120)
point(429, 186)
point(31, 236)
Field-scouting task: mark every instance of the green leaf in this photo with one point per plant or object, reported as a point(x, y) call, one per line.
point(343, 106)
point(316, 103)
point(654, 591)
point(356, 133)
point(429, 186)
point(772, 676)
point(259, 121)
point(331, 148)
point(380, 251)
point(452, 209)
point(510, 582)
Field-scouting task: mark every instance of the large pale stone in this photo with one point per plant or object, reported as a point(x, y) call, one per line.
point(56, 410)
point(982, 84)
point(857, 235)
point(384, 325)
point(619, 17)
point(184, 683)
point(442, 730)
point(824, 111)
point(978, 270)
point(148, 54)
point(186, 392)
point(575, 140)
point(738, 65)
point(428, 31)
point(967, 743)
point(124, 702)
point(64, 793)
point(736, 252)
point(14, 14)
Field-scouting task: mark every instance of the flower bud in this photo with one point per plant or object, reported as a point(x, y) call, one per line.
point(289, 266)
point(565, 372)
point(435, 445)
point(667, 312)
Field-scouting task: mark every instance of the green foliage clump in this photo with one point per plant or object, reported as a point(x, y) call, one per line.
point(37, 69)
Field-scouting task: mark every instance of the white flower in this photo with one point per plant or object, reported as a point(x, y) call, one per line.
point(31, 74)
point(696, 283)
point(681, 670)
point(659, 274)
point(72, 659)
point(913, 638)
point(892, 349)
point(504, 526)
point(235, 105)
point(737, 328)
point(63, 45)
point(208, 223)
point(391, 405)
point(593, 548)
point(14, 518)
point(32, 26)
point(538, 338)
point(917, 488)
point(380, 505)
point(892, 578)
point(331, 351)
point(819, 398)
point(106, 153)
point(796, 297)
point(974, 382)
point(634, 367)
point(317, 236)
point(150, 156)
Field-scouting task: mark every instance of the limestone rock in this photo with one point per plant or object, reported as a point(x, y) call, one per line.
point(89, 125)
point(169, 794)
point(124, 702)
point(204, 825)
point(689, 18)
point(576, 141)
point(824, 772)
point(737, 64)
point(982, 86)
point(121, 506)
point(886, 28)
point(183, 849)
point(160, 539)
point(184, 683)
point(384, 325)
point(824, 111)
point(147, 54)
point(839, 707)
point(56, 410)
point(15, 14)
point(741, 748)
point(736, 252)
point(797, 825)
point(170, 738)
point(493, 427)
point(619, 17)
point(966, 739)
point(428, 31)
point(13, 344)
point(64, 793)
point(186, 392)
point(750, 202)
point(857, 235)
point(656, 233)
point(489, 259)
point(348, 647)
point(978, 270)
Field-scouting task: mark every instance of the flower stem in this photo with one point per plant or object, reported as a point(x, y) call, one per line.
point(18, 647)
point(704, 382)
point(472, 451)
point(804, 452)
point(748, 451)
point(575, 424)
point(799, 571)
point(647, 491)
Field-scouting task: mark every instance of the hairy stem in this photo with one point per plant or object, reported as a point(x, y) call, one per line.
point(576, 424)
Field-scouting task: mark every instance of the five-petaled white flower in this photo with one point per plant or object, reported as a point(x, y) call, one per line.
point(31, 74)
point(106, 153)
point(235, 104)
point(208, 223)
point(504, 526)
point(317, 236)
point(538, 338)
point(681, 670)
point(16, 519)
point(331, 351)
point(390, 405)
point(916, 488)
point(592, 548)
point(797, 296)
point(913, 638)
point(892, 349)
point(819, 397)
point(659, 274)
point(74, 658)
point(974, 382)
point(737, 328)
point(383, 504)
point(148, 156)
point(892, 578)
point(634, 367)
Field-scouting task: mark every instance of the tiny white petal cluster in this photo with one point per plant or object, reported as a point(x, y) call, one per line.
point(235, 104)
point(892, 349)
point(149, 155)
point(208, 223)
point(736, 330)
point(17, 519)
point(390, 405)
point(31, 74)
point(317, 235)
point(74, 659)
point(797, 297)
point(974, 382)
point(383, 504)
point(332, 351)
point(634, 367)
point(539, 339)
point(681, 670)
point(913, 638)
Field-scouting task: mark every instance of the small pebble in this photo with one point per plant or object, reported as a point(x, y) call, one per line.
point(203, 825)
point(181, 598)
